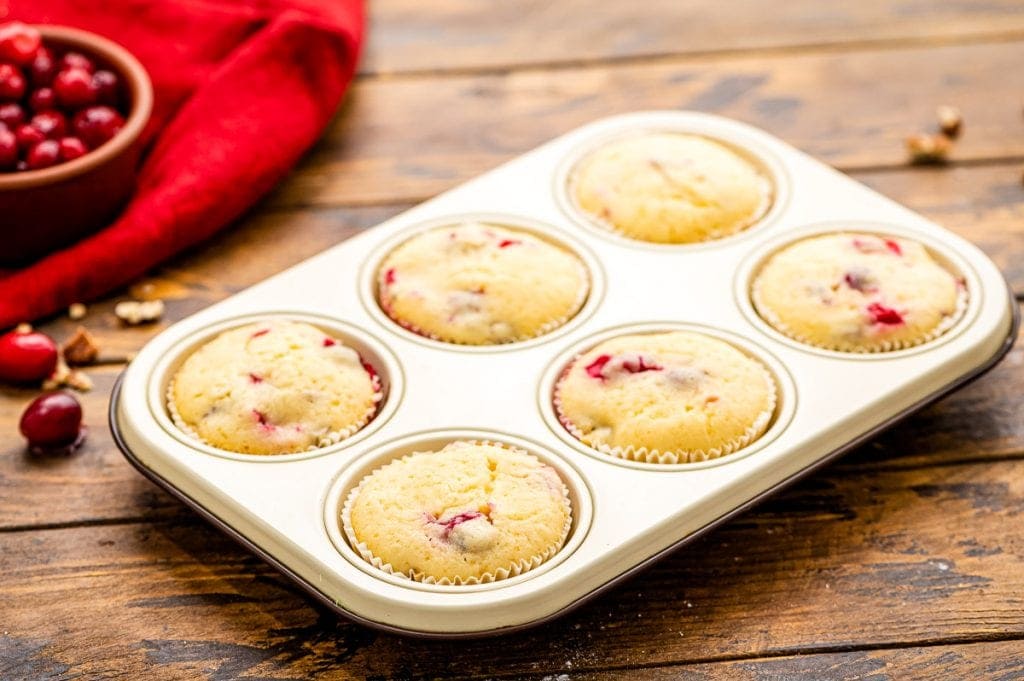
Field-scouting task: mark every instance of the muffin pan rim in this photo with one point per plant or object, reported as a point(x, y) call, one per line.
point(389, 368)
point(596, 280)
point(756, 259)
point(774, 170)
point(786, 395)
point(581, 499)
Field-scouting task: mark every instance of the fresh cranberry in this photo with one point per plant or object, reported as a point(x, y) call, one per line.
point(77, 60)
point(12, 83)
point(28, 137)
point(43, 68)
point(389, 276)
point(97, 124)
point(26, 356)
point(596, 368)
point(8, 149)
point(50, 123)
point(106, 85)
point(43, 99)
point(505, 243)
point(74, 88)
point(12, 115)
point(52, 423)
point(72, 148)
point(43, 155)
point(19, 43)
point(893, 246)
point(880, 314)
point(328, 342)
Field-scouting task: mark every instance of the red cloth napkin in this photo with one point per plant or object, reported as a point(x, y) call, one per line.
point(242, 90)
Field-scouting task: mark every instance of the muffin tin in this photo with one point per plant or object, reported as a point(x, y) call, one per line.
point(625, 513)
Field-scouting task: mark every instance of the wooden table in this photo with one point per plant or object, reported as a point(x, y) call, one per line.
point(905, 559)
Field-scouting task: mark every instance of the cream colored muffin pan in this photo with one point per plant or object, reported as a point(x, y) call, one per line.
point(625, 514)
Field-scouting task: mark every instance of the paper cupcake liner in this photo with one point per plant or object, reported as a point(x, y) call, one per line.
point(949, 321)
point(325, 440)
point(514, 569)
point(648, 455)
point(767, 201)
point(543, 329)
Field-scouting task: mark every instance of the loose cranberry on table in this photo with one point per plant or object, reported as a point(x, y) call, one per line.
point(58, 105)
point(52, 424)
point(26, 356)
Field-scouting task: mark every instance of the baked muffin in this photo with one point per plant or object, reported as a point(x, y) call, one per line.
point(466, 514)
point(273, 387)
point(670, 188)
point(481, 284)
point(667, 397)
point(858, 292)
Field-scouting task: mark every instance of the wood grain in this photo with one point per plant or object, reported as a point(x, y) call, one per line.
point(407, 35)
point(872, 559)
point(976, 661)
point(395, 140)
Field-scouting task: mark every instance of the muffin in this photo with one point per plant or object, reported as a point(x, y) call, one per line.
point(670, 188)
point(858, 292)
point(274, 387)
point(469, 513)
point(667, 397)
point(481, 284)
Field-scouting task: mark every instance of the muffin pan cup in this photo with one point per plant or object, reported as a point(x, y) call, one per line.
point(625, 514)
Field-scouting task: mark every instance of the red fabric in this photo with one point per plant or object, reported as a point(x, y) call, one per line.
point(242, 90)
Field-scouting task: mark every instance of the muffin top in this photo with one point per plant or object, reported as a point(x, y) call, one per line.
point(665, 397)
point(857, 293)
point(481, 284)
point(273, 387)
point(470, 512)
point(670, 188)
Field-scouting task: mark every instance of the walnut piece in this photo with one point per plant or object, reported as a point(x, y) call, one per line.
point(951, 121)
point(928, 148)
point(81, 348)
point(64, 375)
point(77, 311)
point(134, 312)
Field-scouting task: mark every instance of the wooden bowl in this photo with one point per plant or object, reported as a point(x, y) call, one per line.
point(43, 210)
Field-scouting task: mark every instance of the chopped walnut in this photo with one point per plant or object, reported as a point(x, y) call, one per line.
point(951, 121)
point(81, 348)
point(77, 311)
point(64, 375)
point(928, 148)
point(134, 312)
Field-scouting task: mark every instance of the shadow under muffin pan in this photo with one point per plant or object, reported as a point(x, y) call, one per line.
point(284, 508)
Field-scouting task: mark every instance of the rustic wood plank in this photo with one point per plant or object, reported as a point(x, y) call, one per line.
point(396, 142)
point(407, 35)
point(986, 660)
point(876, 559)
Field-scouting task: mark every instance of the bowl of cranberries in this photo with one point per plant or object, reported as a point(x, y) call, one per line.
point(73, 106)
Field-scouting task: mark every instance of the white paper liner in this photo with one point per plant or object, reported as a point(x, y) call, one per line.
point(516, 568)
point(646, 455)
point(547, 327)
point(331, 438)
point(767, 201)
point(949, 321)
